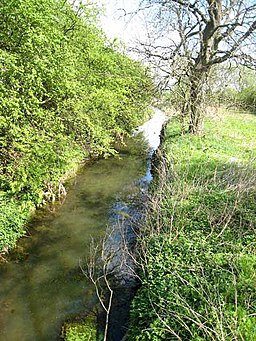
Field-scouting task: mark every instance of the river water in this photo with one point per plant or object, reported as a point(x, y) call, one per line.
point(42, 284)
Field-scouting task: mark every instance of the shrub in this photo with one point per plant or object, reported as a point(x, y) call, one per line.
point(66, 92)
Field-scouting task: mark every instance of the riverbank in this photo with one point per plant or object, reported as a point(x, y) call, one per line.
point(17, 212)
point(42, 283)
point(65, 97)
point(197, 245)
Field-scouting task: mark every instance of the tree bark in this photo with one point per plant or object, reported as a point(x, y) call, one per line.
point(196, 98)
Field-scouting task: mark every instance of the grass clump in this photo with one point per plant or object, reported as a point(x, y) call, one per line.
point(197, 248)
point(82, 331)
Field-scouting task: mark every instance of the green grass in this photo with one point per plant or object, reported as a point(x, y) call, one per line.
point(197, 249)
point(82, 331)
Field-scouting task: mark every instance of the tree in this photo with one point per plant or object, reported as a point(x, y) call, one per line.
point(187, 38)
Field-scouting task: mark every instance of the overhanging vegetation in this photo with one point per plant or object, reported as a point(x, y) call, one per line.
point(66, 93)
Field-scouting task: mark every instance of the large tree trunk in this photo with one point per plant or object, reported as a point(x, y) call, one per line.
point(196, 99)
point(202, 67)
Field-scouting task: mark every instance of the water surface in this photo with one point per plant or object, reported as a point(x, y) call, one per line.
point(42, 285)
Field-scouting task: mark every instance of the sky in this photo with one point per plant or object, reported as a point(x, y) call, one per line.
point(116, 24)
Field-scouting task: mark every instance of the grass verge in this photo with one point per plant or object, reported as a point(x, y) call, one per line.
point(197, 245)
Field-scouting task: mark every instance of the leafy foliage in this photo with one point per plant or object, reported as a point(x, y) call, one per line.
point(245, 98)
point(66, 93)
point(12, 218)
point(82, 331)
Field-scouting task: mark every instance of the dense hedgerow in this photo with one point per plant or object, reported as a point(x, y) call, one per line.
point(66, 93)
point(198, 252)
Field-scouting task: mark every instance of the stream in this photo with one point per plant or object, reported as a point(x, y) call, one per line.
point(42, 285)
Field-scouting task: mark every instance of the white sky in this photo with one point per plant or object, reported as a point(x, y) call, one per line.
point(117, 25)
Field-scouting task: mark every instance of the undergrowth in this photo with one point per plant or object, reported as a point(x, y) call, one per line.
point(197, 245)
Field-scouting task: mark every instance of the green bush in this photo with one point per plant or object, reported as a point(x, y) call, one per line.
point(66, 93)
point(13, 216)
point(244, 98)
point(247, 98)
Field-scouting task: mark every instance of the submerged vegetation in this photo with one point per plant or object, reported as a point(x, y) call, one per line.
point(67, 93)
point(197, 245)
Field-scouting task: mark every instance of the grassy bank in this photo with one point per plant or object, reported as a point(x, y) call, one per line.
point(197, 248)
